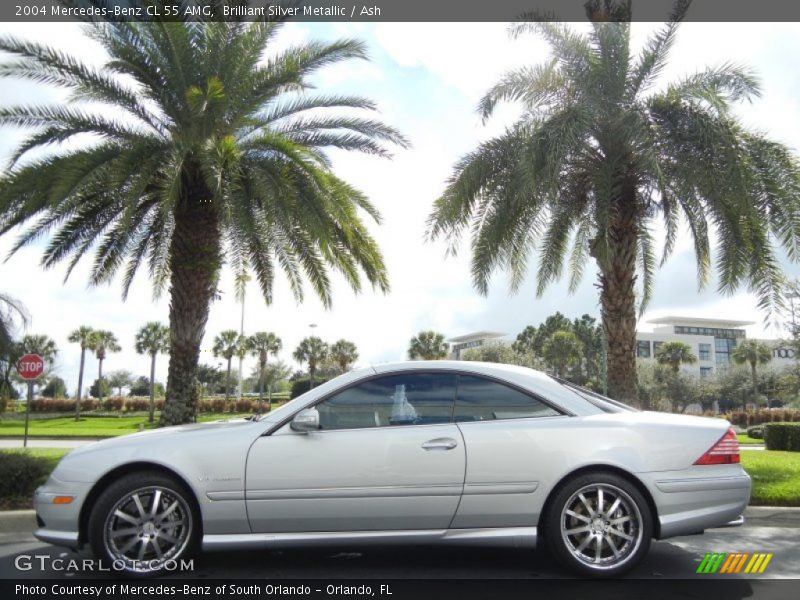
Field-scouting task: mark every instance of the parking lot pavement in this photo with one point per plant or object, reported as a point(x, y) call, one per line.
point(773, 531)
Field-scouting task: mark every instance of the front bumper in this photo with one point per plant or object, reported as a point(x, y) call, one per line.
point(59, 523)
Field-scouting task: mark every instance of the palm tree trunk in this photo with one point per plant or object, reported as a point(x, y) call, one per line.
point(80, 385)
point(755, 384)
point(228, 382)
point(311, 369)
point(618, 303)
point(261, 386)
point(100, 381)
point(194, 265)
point(152, 388)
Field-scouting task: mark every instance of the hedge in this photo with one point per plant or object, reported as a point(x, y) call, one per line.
point(756, 432)
point(782, 436)
point(20, 475)
point(301, 386)
point(749, 418)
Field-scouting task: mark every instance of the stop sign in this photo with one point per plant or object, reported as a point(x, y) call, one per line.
point(30, 366)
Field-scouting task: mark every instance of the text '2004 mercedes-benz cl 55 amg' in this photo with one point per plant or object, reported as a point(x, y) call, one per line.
point(414, 452)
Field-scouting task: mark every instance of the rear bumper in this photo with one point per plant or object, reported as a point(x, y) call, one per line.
point(690, 504)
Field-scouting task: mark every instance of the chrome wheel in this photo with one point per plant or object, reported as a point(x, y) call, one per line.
point(146, 528)
point(601, 526)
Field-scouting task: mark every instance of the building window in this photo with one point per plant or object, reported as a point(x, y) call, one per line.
point(656, 346)
point(722, 349)
point(705, 372)
point(705, 351)
point(643, 348)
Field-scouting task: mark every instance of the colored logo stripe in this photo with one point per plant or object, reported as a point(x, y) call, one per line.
point(724, 562)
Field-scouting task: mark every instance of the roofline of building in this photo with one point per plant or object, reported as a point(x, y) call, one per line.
point(477, 335)
point(722, 323)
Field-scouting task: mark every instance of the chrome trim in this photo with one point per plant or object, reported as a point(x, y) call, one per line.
point(234, 495)
point(737, 522)
point(504, 536)
point(68, 539)
point(389, 491)
point(520, 487)
point(670, 486)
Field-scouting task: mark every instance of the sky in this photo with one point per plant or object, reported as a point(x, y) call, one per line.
point(427, 80)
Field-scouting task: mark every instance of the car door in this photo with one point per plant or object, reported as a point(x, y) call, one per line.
point(507, 455)
point(387, 457)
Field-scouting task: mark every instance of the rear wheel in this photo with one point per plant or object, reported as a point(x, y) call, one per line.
point(599, 524)
point(142, 522)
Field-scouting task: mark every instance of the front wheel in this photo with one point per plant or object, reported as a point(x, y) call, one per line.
point(599, 525)
point(143, 523)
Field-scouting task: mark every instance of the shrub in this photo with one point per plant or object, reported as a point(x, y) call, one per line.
point(738, 417)
point(137, 404)
point(20, 475)
point(89, 404)
point(756, 432)
point(782, 436)
point(218, 405)
point(245, 405)
point(113, 403)
point(159, 403)
point(204, 406)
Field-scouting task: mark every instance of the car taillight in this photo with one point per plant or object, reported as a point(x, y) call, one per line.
point(724, 452)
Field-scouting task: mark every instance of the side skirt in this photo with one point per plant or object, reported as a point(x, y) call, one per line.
point(517, 537)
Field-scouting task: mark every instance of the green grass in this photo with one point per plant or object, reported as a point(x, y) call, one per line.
point(776, 477)
point(746, 439)
point(90, 427)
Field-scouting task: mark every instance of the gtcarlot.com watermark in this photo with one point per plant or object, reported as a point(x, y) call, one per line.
point(45, 562)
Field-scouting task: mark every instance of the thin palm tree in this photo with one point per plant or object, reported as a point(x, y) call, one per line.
point(228, 344)
point(344, 353)
point(428, 345)
point(11, 310)
point(207, 149)
point(601, 155)
point(45, 347)
point(152, 339)
point(83, 336)
point(102, 342)
point(311, 350)
point(675, 354)
point(753, 353)
point(261, 345)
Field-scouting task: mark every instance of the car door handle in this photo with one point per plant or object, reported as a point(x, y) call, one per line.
point(440, 444)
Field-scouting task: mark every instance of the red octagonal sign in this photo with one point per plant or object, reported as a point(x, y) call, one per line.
point(30, 366)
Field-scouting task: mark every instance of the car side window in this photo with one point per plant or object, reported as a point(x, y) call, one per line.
point(480, 399)
point(394, 400)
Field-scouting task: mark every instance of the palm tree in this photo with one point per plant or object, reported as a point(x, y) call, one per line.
point(600, 155)
point(10, 310)
point(562, 349)
point(83, 336)
point(102, 342)
point(42, 345)
point(261, 345)
point(344, 353)
point(151, 339)
point(313, 351)
point(427, 345)
point(675, 354)
point(204, 152)
point(754, 353)
point(120, 379)
point(228, 344)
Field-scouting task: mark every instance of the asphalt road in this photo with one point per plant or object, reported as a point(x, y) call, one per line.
point(766, 531)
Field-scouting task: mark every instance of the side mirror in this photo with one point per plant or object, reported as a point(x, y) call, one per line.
point(306, 420)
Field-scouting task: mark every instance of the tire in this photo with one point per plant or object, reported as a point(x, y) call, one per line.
point(142, 522)
point(574, 528)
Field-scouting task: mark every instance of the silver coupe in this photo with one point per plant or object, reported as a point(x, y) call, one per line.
point(412, 452)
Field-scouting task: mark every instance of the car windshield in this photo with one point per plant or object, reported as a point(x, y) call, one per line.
point(604, 403)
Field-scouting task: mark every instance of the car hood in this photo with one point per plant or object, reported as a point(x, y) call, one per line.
point(162, 433)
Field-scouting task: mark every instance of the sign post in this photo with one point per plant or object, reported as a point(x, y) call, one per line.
point(30, 367)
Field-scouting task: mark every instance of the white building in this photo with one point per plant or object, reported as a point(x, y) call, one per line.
point(711, 340)
point(472, 340)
